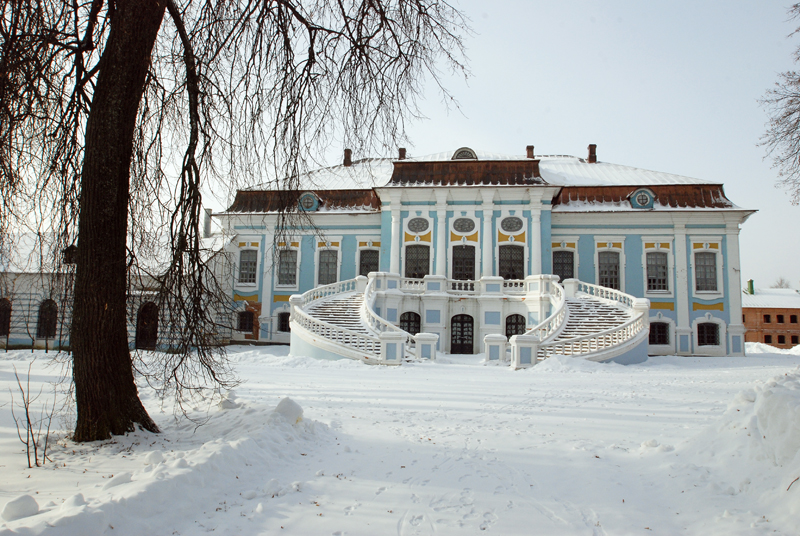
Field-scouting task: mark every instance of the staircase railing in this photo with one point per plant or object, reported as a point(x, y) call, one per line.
point(553, 323)
point(325, 291)
point(596, 342)
point(606, 293)
point(375, 322)
point(353, 340)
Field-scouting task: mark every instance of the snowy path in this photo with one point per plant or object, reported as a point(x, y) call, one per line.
point(568, 447)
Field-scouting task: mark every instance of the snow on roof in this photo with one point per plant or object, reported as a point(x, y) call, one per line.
point(625, 206)
point(363, 173)
point(571, 171)
point(772, 298)
point(28, 252)
point(556, 170)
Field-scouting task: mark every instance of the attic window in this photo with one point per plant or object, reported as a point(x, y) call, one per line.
point(642, 198)
point(308, 202)
point(465, 153)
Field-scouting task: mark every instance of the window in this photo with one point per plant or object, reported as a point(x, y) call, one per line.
point(705, 265)
point(410, 322)
point(245, 321)
point(780, 319)
point(70, 254)
point(417, 261)
point(247, 265)
point(768, 339)
point(461, 334)
point(515, 325)
point(368, 261)
point(608, 263)
point(328, 263)
point(564, 264)
point(512, 262)
point(147, 327)
point(781, 339)
point(5, 317)
point(708, 334)
point(744, 319)
point(793, 319)
point(464, 263)
point(287, 267)
point(794, 339)
point(767, 319)
point(659, 333)
point(48, 318)
point(283, 322)
point(657, 264)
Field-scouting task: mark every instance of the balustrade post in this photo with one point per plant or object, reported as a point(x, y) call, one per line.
point(295, 301)
point(361, 283)
point(570, 287)
point(426, 345)
point(495, 345)
point(641, 306)
point(392, 347)
point(524, 351)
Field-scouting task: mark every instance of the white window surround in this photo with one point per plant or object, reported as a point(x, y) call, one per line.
point(329, 243)
point(513, 234)
point(663, 349)
point(245, 244)
point(367, 242)
point(606, 243)
point(658, 246)
point(292, 243)
point(431, 253)
point(566, 243)
point(412, 216)
point(723, 336)
point(706, 244)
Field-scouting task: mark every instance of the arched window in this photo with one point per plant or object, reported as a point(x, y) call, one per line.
point(410, 322)
point(461, 334)
point(147, 327)
point(48, 319)
point(245, 321)
point(283, 322)
point(659, 333)
point(5, 317)
point(464, 263)
point(418, 261)
point(515, 325)
point(512, 262)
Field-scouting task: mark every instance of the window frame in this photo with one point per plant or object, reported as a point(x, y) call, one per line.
point(405, 258)
point(242, 314)
point(709, 349)
point(246, 243)
point(327, 252)
point(613, 244)
point(659, 244)
point(707, 244)
point(5, 322)
point(240, 267)
point(361, 252)
point(278, 271)
point(666, 328)
point(329, 243)
point(663, 349)
point(407, 315)
point(279, 320)
point(39, 320)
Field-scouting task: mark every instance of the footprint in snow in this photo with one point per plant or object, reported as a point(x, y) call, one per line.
point(380, 490)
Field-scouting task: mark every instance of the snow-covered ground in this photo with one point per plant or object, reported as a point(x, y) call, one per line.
point(673, 445)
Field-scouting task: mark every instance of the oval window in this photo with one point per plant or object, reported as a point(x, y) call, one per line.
point(417, 225)
point(643, 199)
point(511, 225)
point(463, 225)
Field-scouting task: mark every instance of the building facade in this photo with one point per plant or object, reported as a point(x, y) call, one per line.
point(771, 315)
point(468, 216)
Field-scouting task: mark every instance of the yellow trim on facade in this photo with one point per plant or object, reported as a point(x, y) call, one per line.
point(409, 237)
point(665, 306)
point(454, 237)
point(519, 238)
point(708, 306)
point(649, 245)
point(556, 244)
point(617, 245)
point(473, 237)
point(277, 299)
point(249, 297)
point(242, 244)
point(254, 244)
point(325, 244)
point(665, 245)
point(426, 237)
point(281, 244)
point(362, 244)
point(571, 245)
point(602, 244)
point(295, 244)
point(710, 245)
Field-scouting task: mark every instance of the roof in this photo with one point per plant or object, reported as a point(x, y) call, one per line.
point(615, 198)
point(362, 174)
point(329, 200)
point(572, 171)
point(522, 172)
point(772, 298)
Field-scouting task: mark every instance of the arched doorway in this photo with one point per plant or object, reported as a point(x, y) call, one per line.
point(464, 263)
point(515, 325)
point(461, 334)
point(147, 327)
point(410, 322)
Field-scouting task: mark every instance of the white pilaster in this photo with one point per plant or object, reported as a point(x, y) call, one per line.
point(397, 239)
point(683, 329)
point(441, 233)
point(536, 242)
point(488, 216)
point(736, 327)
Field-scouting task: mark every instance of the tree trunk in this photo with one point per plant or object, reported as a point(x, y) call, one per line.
point(106, 395)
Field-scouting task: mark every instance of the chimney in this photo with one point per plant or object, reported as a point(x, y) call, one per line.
point(592, 154)
point(207, 223)
point(751, 289)
point(348, 157)
point(529, 150)
point(402, 153)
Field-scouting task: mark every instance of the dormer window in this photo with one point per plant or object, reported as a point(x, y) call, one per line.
point(308, 202)
point(642, 198)
point(465, 153)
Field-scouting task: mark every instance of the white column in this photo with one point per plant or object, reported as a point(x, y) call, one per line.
point(736, 327)
point(441, 233)
point(683, 329)
point(394, 266)
point(536, 242)
point(488, 216)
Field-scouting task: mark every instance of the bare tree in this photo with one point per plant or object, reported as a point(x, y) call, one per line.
point(113, 113)
point(782, 138)
point(781, 282)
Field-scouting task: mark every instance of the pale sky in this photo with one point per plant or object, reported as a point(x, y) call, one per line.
point(668, 86)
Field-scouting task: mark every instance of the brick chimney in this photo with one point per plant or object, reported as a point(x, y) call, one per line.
point(348, 157)
point(592, 154)
point(529, 151)
point(402, 152)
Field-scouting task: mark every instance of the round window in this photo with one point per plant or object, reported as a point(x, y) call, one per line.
point(418, 225)
point(463, 225)
point(642, 198)
point(511, 225)
point(307, 202)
